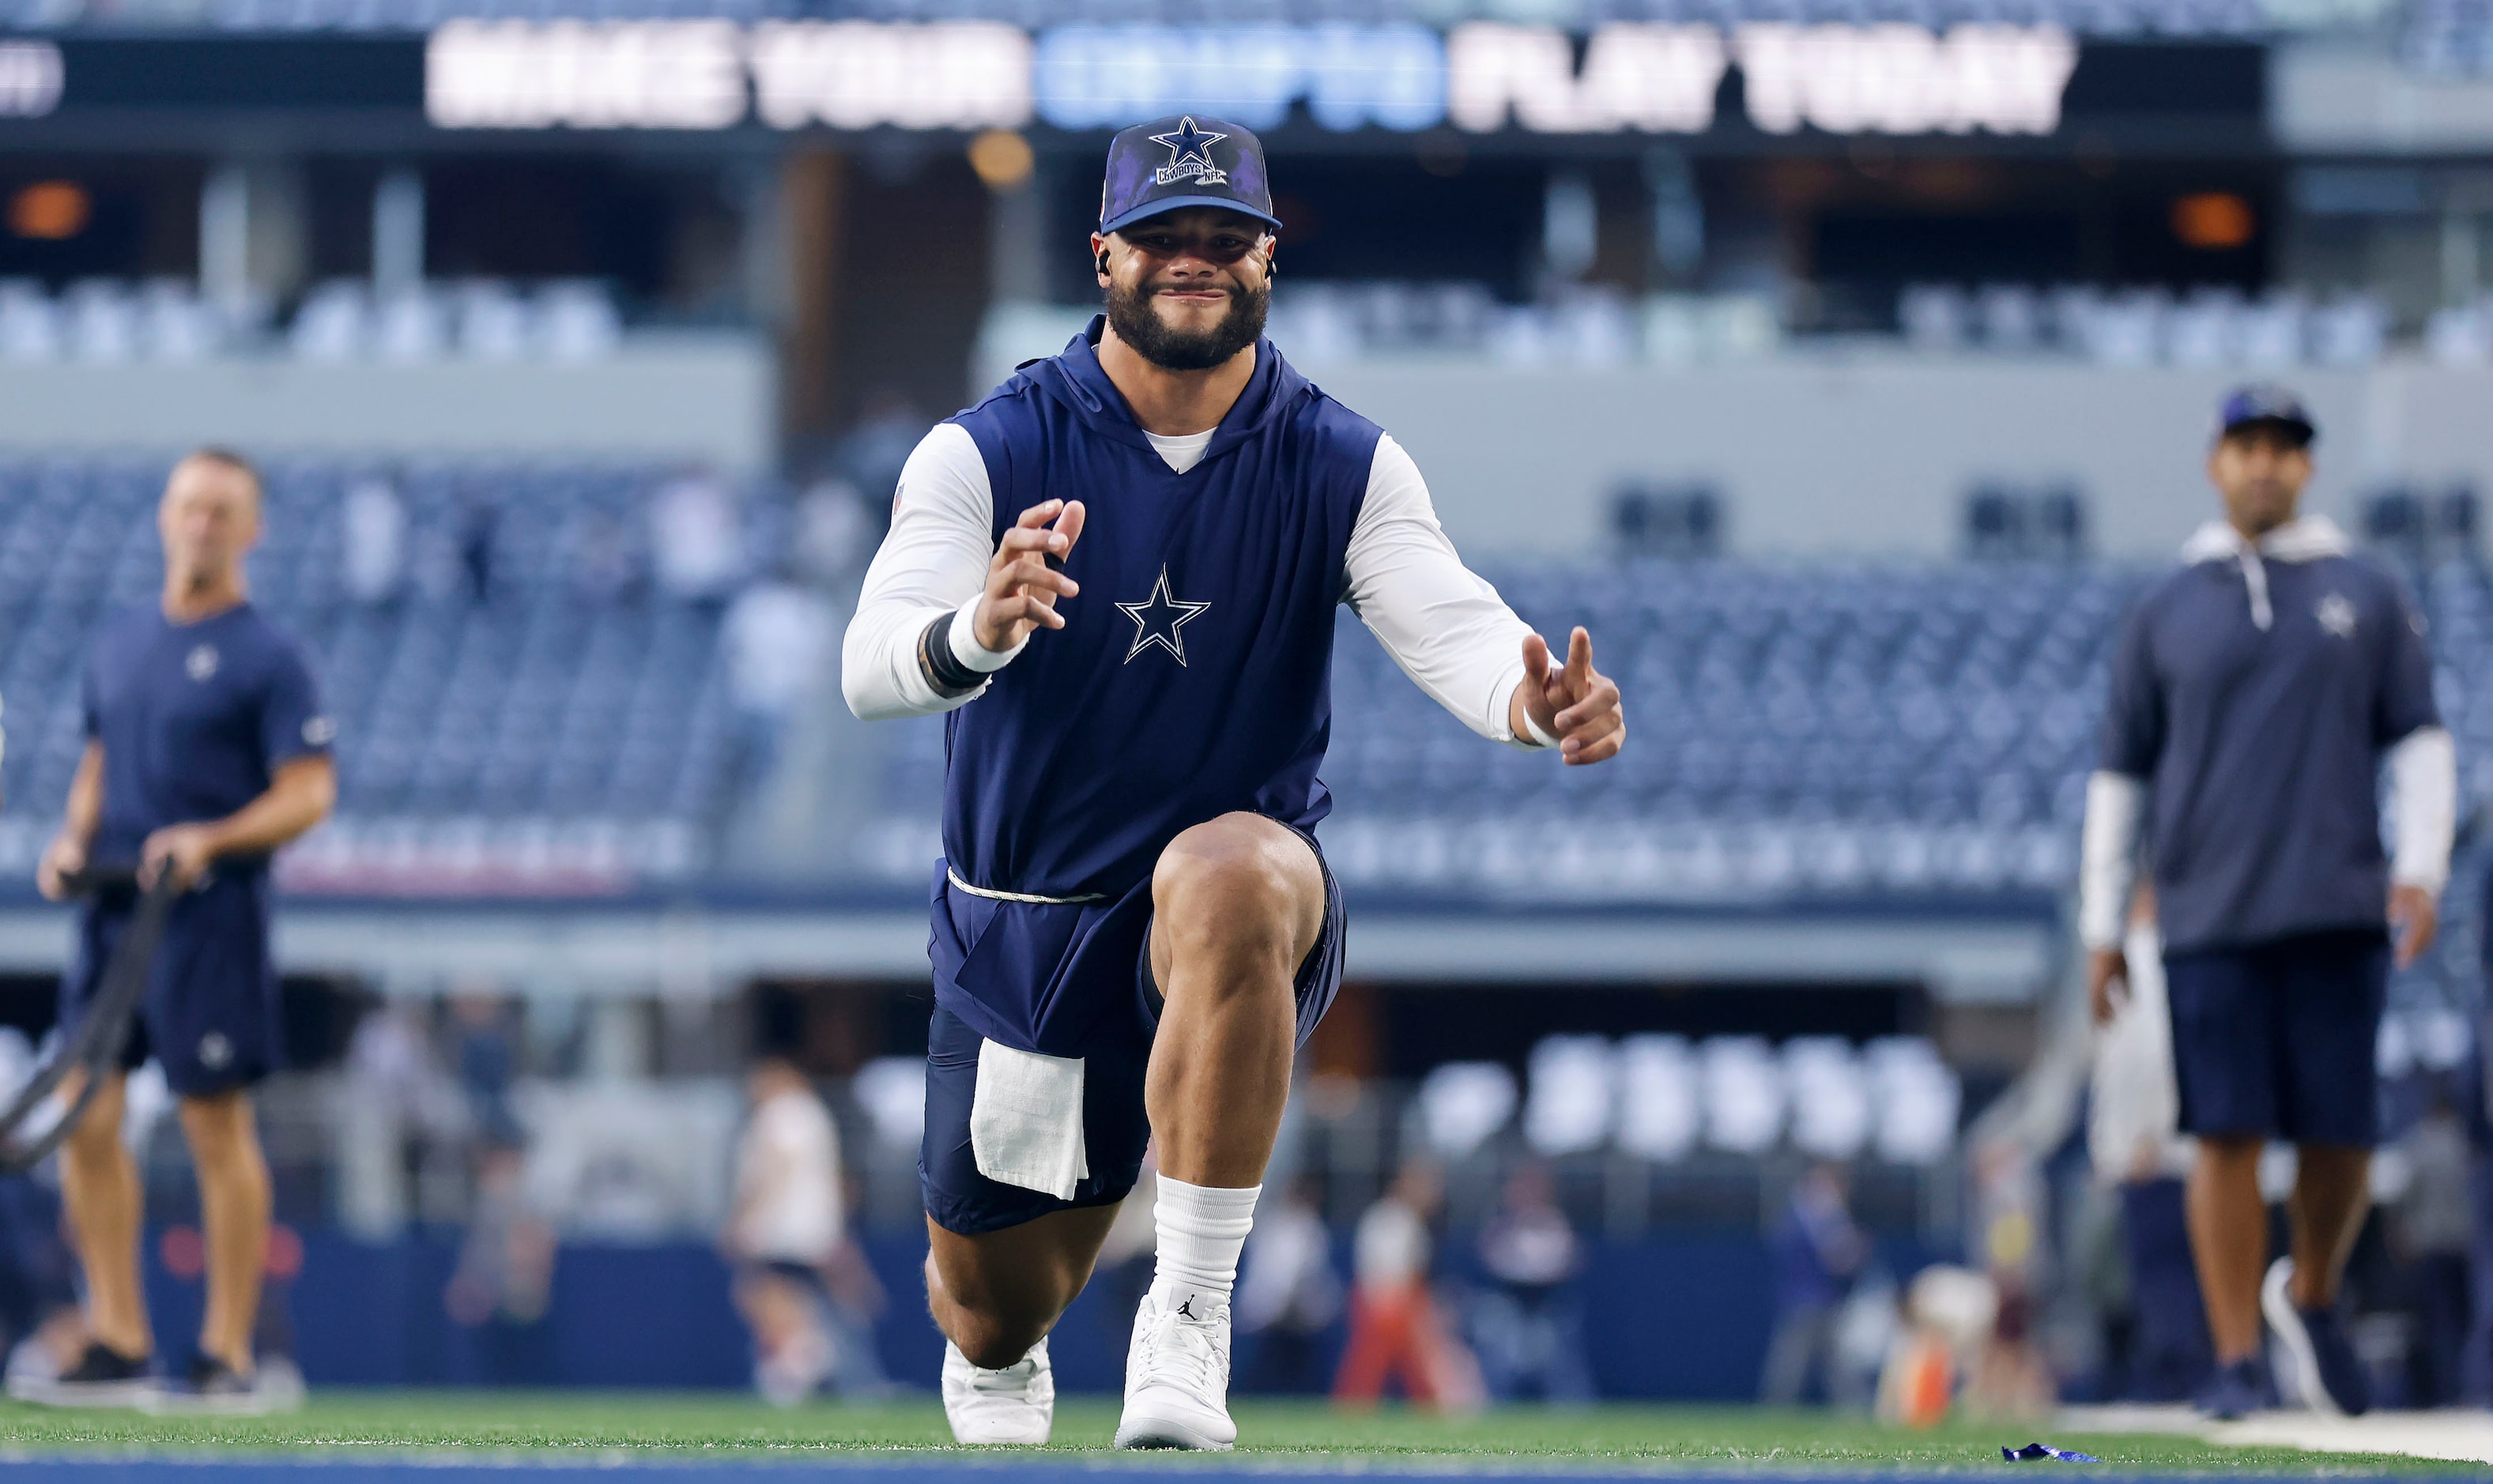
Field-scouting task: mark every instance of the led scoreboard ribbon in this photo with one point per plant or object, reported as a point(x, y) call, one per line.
point(695, 75)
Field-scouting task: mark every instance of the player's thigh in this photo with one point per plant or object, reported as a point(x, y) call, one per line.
point(2225, 1034)
point(1238, 876)
point(1027, 1273)
point(2332, 988)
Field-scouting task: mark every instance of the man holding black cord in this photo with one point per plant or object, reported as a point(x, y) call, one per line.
point(206, 751)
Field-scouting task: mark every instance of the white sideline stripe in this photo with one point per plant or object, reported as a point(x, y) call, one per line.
point(954, 878)
point(2457, 1435)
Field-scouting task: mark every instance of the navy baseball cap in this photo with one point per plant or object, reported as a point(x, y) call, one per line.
point(2264, 402)
point(1185, 159)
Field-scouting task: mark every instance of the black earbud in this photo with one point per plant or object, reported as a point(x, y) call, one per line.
point(1103, 259)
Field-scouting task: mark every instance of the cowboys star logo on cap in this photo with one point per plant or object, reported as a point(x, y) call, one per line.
point(1167, 164)
point(1190, 155)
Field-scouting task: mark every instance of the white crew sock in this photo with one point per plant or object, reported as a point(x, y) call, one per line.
point(1202, 1231)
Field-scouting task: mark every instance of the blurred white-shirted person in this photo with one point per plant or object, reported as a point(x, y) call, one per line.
point(786, 1228)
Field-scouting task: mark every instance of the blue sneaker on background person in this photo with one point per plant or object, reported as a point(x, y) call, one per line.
point(2327, 1376)
point(2233, 1392)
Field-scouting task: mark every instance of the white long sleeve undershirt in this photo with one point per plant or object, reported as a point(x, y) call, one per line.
point(2423, 806)
point(2108, 857)
point(1446, 627)
point(2423, 811)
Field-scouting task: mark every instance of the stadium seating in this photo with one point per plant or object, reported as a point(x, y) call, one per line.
point(2149, 327)
point(106, 321)
point(539, 736)
point(1830, 733)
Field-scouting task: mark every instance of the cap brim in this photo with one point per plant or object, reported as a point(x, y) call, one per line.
point(1169, 203)
point(2300, 427)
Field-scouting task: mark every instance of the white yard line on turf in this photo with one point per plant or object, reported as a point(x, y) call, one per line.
point(2457, 1435)
point(2452, 1435)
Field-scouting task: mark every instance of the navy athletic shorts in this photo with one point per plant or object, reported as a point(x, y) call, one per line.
point(2276, 1039)
point(1115, 1051)
point(211, 1015)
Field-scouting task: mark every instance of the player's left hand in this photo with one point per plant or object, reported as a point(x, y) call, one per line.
point(1577, 704)
point(184, 849)
point(2415, 918)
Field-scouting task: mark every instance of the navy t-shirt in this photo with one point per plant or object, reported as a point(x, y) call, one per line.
point(2262, 748)
point(194, 719)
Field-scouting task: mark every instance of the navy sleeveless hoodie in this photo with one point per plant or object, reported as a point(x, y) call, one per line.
point(1192, 677)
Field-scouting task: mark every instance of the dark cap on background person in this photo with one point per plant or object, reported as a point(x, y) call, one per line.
point(1185, 159)
point(2266, 404)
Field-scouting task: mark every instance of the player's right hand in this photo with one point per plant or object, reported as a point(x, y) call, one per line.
point(2107, 983)
point(64, 857)
point(1022, 588)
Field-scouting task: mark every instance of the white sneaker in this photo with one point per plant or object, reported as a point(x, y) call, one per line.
point(1177, 1380)
point(1014, 1405)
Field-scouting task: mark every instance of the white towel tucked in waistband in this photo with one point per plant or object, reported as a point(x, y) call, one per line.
point(1026, 1120)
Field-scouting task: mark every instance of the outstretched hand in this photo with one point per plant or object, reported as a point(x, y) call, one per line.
point(1577, 704)
point(1022, 588)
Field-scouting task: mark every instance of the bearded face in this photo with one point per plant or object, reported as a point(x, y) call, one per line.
point(1142, 322)
point(1191, 288)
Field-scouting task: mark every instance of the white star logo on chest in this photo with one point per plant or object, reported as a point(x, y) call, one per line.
point(2336, 614)
point(1158, 619)
point(201, 663)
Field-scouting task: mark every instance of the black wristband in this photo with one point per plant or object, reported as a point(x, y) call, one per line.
point(942, 667)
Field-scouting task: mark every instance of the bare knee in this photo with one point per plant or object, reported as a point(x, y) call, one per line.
point(991, 1343)
point(1237, 886)
point(995, 1324)
point(993, 1329)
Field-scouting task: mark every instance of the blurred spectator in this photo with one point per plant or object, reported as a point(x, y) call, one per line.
point(695, 544)
point(480, 521)
point(399, 1105)
point(786, 1223)
point(2430, 1230)
point(1818, 1252)
point(41, 1331)
point(375, 520)
point(1529, 1324)
point(836, 530)
point(1396, 1332)
point(781, 643)
point(871, 456)
point(485, 1057)
point(2009, 1378)
point(1949, 1313)
point(504, 1280)
point(602, 566)
point(2134, 1139)
point(1289, 1293)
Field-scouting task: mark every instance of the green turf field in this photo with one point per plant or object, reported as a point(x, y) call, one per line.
point(599, 1426)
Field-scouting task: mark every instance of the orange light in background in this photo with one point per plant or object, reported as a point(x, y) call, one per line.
point(2213, 221)
point(1001, 158)
point(50, 210)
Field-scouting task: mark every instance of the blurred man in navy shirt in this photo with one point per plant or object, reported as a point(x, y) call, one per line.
point(2256, 695)
point(206, 751)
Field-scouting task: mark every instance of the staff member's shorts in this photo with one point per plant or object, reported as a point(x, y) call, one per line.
point(211, 1015)
point(1113, 1056)
point(2276, 1040)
